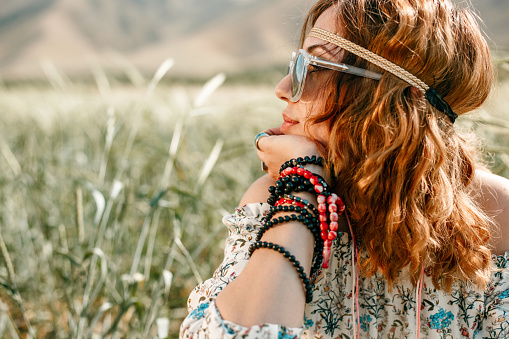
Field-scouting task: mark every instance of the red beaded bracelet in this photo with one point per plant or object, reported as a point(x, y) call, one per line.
point(330, 207)
point(335, 207)
point(283, 201)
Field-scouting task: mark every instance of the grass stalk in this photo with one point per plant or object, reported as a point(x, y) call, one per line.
point(161, 71)
point(56, 78)
point(189, 260)
point(10, 157)
point(209, 164)
point(101, 80)
point(89, 296)
point(12, 280)
point(104, 308)
point(100, 203)
point(178, 133)
point(79, 215)
point(151, 243)
point(115, 191)
point(7, 260)
point(162, 289)
point(110, 131)
point(141, 242)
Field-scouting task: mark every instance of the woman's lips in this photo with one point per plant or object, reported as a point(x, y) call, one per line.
point(287, 123)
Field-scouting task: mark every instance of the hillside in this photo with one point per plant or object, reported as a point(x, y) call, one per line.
point(203, 37)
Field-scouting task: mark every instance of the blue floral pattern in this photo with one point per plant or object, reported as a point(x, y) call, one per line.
point(364, 320)
point(463, 313)
point(441, 319)
point(308, 323)
point(198, 312)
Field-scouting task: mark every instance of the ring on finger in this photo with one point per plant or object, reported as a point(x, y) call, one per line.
point(258, 137)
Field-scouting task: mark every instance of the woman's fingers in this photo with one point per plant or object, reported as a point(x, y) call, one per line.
point(273, 131)
point(281, 143)
point(274, 150)
point(258, 137)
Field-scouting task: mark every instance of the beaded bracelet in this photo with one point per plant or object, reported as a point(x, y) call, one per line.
point(328, 215)
point(306, 218)
point(329, 229)
point(330, 206)
point(290, 208)
point(291, 258)
point(291, 187)
point(288, 183)
point(302, 161)
point(293, 183)
point(283, 201)
point(308, 222)
point(316, 180)
point(287, 218)
point(309, 206)
point(323, 222)
point(318, 247)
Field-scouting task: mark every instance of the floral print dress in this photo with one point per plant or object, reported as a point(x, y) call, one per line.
point(464, 313)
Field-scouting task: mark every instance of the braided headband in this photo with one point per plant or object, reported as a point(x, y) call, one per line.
point(434, 98)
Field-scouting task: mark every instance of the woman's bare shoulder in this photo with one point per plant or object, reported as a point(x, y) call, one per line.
point(492, 193)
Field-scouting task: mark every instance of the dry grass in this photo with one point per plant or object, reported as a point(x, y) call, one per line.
point(112, 196)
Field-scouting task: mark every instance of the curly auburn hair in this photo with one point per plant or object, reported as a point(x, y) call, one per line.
point(401, 166)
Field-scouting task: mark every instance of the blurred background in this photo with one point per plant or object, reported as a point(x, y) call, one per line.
point(203, 37)
point(126, 134)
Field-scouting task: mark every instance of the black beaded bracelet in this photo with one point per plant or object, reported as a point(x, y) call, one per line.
point(288, 208)
point(295, 178)
point(291, 258)
point(309, 221)
point(305, 217)
point(302, 161)
point(309, 206)
point(289, 184)
point(273, 198)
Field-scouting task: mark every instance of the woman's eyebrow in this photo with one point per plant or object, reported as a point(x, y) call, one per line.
point(312, 48)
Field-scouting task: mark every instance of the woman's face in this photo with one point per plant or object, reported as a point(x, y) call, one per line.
point(313, 100)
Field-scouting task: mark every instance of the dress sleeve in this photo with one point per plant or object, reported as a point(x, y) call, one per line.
point(493, 320)
point(204, 319)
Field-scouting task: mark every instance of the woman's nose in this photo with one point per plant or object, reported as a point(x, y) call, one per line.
point(283, 89)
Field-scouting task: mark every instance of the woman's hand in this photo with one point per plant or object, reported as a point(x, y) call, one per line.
point(277, 148)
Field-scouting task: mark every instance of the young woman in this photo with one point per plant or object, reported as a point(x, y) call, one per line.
point(419, 249)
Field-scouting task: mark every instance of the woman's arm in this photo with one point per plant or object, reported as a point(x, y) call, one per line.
point(204, 320)
point(269, 289)
point(258, 191)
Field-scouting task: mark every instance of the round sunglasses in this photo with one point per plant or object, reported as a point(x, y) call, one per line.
point(298, 70)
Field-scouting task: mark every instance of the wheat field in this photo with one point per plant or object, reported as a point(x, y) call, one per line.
point(112, 194)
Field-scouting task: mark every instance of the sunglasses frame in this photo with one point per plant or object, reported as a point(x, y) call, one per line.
point(309, 59)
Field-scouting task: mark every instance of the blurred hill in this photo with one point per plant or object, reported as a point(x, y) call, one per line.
point(203, 36)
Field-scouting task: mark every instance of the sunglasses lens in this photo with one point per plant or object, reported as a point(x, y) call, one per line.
point(290, 65)
point(297, 74)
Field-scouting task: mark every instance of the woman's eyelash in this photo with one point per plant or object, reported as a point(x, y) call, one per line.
point(313, 68)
